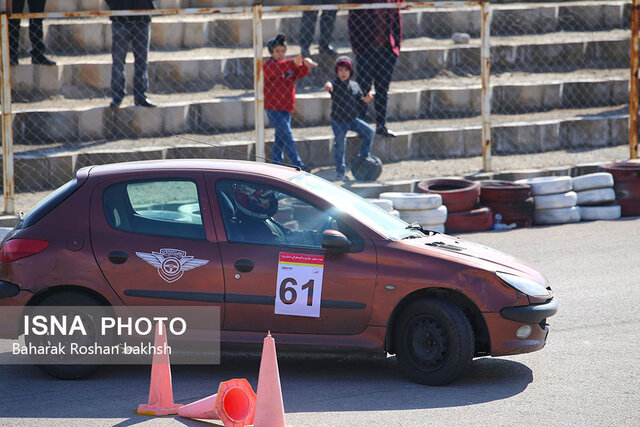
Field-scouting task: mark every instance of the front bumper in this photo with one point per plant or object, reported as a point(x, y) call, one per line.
point(530, 313)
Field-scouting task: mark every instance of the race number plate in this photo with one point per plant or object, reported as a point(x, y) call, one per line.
point(299, 284)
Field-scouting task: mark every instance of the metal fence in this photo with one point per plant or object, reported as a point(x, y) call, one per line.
point(559, 80)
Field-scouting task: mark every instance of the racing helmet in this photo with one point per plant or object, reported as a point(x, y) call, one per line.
point(255, 201)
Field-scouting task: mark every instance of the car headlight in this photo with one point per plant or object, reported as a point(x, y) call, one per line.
point(524, 285)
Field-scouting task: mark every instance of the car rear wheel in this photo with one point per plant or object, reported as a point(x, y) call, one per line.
point(70, 368)
point(434, 342)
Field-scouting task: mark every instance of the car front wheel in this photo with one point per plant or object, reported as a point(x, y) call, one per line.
point(434, 342)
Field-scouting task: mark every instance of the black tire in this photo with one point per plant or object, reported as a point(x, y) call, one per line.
point(67, 371)
point(434, 342)
point(366, 169)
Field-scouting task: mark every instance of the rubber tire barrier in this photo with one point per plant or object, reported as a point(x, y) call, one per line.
point(596, 196)
point(479, 219)
point(518, 211)
point(366, 169)
point(458, 195)
point(630, 207)
point(556, 201)
point(627, 190)
point(595, 213)
point(425, 217)
point(412, 201)
point(395, 212)
point(385, 204)
point(437, 228)
point(592, 181)
point(556, 216)
point(622, 171)
point(495, 190)
point(544, 185)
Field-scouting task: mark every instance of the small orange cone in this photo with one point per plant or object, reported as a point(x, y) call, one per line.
point(160, 390)
point(234, 404)
point(269, 406)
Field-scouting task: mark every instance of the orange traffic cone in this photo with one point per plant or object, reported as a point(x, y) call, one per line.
point(160, 390)
point(234, 404)
point(269, 406)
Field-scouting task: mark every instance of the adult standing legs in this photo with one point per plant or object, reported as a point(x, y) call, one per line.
point(307, 28)
point(386, 61)
point(327, 22)
point(119, 46)
point(140, 35)
point(365, 68)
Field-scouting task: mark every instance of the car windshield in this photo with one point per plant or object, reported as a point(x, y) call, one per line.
point(378, 219)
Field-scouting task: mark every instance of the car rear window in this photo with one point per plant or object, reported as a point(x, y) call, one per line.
point(168, 208)
point(47, 204)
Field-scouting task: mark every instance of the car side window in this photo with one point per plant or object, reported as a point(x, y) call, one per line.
point(256, 213)
point(159, 207)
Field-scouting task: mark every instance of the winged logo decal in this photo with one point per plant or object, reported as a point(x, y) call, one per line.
point(171, 263)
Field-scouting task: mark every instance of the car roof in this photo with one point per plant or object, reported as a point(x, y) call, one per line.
point(277, 171)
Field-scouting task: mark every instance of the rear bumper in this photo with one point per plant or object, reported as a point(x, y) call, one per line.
point(530, 313)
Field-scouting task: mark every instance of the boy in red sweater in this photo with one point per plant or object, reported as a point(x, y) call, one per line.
point(280, 75)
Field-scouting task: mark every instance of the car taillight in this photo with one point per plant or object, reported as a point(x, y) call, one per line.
point(21, 248)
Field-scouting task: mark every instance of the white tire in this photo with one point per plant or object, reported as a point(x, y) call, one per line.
point(594, 213)
point(395, 212)
point(425, 217)
point(597, 196)
point(556, 201)
point(556, 216)
point(591, 181)
point(547, 184)
point(413, 201)
point(385, 204)
point(438, 228)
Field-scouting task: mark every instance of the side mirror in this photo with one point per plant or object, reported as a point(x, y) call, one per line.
point(335, 241)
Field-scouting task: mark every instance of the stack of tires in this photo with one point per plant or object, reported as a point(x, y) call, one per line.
point(554, 201)
point(424, 209)
point(385, 204)
point(461, 197)
point(512, 201)
point(596, 198)
point(626, 184)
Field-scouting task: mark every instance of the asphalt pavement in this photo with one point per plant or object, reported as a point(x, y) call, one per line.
point(587, 375)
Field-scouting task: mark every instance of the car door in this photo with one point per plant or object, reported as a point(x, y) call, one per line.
point(278, 277)
point(154, 243)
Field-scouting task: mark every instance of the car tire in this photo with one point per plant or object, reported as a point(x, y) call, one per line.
point(458, 195)
point(596, 196)
point(556, 201)
point(592, 181)
point(630, 207)
point(413, 201)
point(595, 213)
point(479, 219)
point(544, 185)
point(69, 371)
point(434, 342)
point(502, 191)
point(556, 216)
point(425, 217)
point(622, 171)
point(385, 204)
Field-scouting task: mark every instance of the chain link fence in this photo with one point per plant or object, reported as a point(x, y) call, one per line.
point(559, 77)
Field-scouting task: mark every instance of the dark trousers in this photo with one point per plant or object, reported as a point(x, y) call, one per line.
point(308, 27)
point(136, 34)
point(35, 28)
point(375, 67)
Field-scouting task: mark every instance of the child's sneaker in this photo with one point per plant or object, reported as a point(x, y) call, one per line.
point(340, 176)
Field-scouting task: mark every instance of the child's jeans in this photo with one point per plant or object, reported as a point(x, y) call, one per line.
point(340, 129)
point(281, 121)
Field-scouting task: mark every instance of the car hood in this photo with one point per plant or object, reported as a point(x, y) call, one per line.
point(475, 255)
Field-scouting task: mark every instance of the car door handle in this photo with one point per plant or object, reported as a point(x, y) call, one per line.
point(244, 265)
point(118, 257)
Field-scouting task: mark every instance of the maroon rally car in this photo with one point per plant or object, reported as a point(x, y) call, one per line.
point(275, 249)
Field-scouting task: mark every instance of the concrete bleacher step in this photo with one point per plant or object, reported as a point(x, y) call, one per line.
point(420, 58)
point(420, 139)
point(189, 31)
point(59, 120)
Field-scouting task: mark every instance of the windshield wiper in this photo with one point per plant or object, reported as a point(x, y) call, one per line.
point(418, 227)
